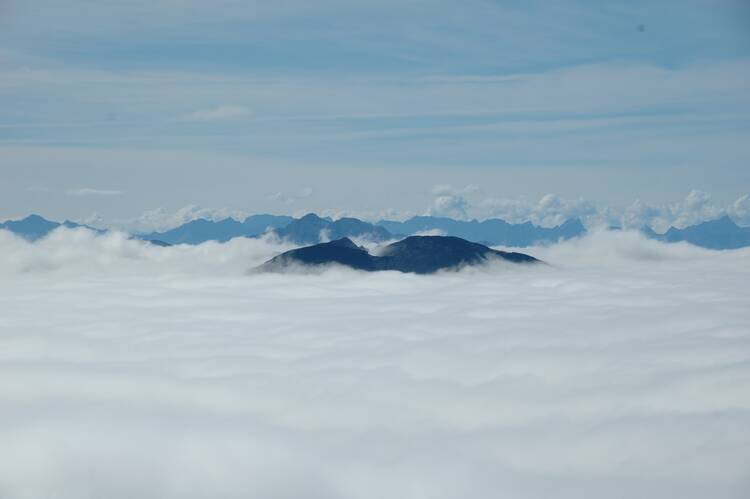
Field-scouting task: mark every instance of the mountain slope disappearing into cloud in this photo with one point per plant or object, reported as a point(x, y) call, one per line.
point(129, 370)
point(414, 254)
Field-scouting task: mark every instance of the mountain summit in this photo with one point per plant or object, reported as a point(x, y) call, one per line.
point(311, 229)
point(36, 227)
point(415, 254)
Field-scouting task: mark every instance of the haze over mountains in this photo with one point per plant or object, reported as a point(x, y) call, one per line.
point(722, 233)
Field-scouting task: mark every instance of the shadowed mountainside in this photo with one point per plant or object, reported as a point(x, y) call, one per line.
point(415, 254)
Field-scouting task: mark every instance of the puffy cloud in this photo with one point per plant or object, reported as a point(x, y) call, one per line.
point(450, 201)
point(639, 214)
point(740, 210)
point(131, 370)
point(449, 206)
point(698, 206)
point(550, 210)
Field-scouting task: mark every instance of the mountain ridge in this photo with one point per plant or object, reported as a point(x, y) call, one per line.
point(414, 254)
point(492, 231)
point(201, 230)
point(311, 229)
point(721, 233)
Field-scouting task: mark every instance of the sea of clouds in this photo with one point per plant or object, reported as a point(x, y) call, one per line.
point(622, 369)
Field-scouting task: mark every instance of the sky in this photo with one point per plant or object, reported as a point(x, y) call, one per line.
point(127, 370)
point(114, 111)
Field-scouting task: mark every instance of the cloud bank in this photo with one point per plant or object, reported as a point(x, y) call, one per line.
point(127, 370)
point(551, 209)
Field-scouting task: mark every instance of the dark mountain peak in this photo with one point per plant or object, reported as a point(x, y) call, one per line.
point(572, 223)
point(415, 254)
point(433, 242)
point(32, 227)
point(572, 227)
point(349, 219)
point(344, 242)
point(341, 251)
point(311, 217)
point(34, 218)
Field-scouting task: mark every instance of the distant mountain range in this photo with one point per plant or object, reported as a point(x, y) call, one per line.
point(492, 231)
point(35, 227)
point(310, 229)
point(722, 233)
point(202, 230)
point(415, 254)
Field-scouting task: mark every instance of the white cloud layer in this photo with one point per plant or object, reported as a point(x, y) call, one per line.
point(129, 370)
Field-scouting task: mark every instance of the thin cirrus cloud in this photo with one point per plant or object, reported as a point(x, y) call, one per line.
point(598, 373)
point(221, 113)
point(289, 199)
point(88, 191)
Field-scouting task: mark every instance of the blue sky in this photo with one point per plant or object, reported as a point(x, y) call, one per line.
point(115, 108)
